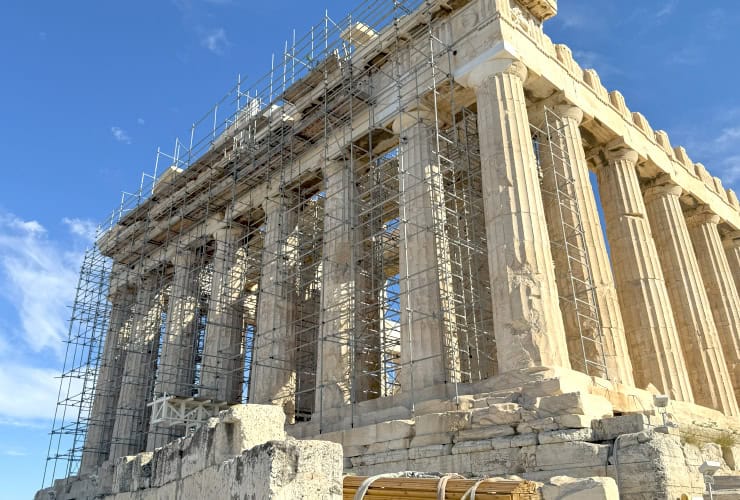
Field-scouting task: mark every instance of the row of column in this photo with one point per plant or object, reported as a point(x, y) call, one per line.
point(677, 306)
point(132, 370)
point(669, 313)
point(654, 308)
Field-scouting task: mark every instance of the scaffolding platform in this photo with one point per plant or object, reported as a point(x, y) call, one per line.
point(171, 411)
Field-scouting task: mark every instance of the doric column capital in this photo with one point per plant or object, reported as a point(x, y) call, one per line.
point(731, 239)
point(569, 111)
point(661, 191)
point(621, 154)
point(407, 119)
point(481, 73)
point(701, 215)
point(559, 107)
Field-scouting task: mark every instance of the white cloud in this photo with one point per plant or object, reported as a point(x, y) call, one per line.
point(86, 229)
point(140, 121)
point(713, 142)
point(37, 286)
point(589, 59)
point(728, 137)
point(120, 135)
point(42, 422)
point(37, 278)
point(215, 41)
point(575, 15)
point(667, 9)
point(729, 170)
point(14, 453)
point(39, 389)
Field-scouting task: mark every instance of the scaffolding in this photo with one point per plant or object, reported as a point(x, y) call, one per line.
point(577, 290)
point(284, 230)
point(88, 325)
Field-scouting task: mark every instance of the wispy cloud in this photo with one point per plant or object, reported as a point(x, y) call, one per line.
point(573, 20)
point(13, 453)
point(714, 143)
point(667, 9)
point(120, 135)
point(41, 422)
point(193, 13)
point(37, 277)
point(215, 41)
point(600, 62)
point(729, 171)
point(39, 388)
point(585, 15)
point(84, 228)
point(141, 121)
point(37, 286)
point(729, 136)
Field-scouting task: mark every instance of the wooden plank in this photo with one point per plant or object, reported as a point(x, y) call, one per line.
point(426, 488)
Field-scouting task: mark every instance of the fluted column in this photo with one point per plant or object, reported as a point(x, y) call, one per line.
point(176, 370)
point(652, 337)
point(527, 322)
point(108, 385)
point(343, 352)
point(720, 286)
point(222, 367)
point(731, 243)
point(273, 377)
point(137, 384)
point(565, 169)
point(710, 380)
point(429, 349)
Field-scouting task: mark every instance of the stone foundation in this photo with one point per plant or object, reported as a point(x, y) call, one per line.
point(244, 453)
point(538, 424)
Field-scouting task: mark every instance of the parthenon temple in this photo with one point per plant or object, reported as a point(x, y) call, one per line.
point(427, 225)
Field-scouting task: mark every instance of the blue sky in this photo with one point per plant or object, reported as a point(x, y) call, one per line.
point(90, 89)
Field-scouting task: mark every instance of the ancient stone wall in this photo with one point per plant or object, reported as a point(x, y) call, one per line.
point(244, 453)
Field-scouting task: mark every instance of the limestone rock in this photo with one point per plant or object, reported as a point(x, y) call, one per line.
point(592, 488)
point(576, 403)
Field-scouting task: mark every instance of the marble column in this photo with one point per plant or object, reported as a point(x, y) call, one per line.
point(108, 385)
point(344, 352)
point(711, 383)
point(273, 377)
point(652, 336)
point(720, 286)
point(429, 349)
point(565, 169)
point(527, 321)
point(137, 384)
point(731, 243)
point(222, 366)
point(176, 370)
